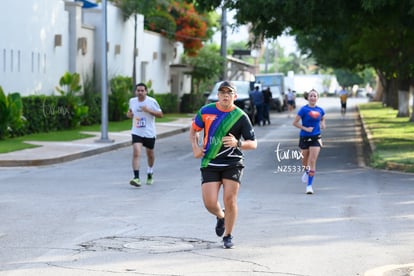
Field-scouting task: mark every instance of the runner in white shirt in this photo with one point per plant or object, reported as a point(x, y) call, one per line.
point(143, 110)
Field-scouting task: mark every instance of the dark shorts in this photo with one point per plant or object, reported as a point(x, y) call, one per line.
point(343, 105)
point(146, 142)
point(291, 102)
point(310, 141)
point(218, 174)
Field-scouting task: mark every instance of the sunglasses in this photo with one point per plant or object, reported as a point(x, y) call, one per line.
point(226, 92)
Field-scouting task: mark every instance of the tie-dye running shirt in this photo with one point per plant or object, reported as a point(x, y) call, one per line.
point(218, 123)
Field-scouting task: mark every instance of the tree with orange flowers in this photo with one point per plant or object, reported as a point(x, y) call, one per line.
point(191, 26)
point(177, 20)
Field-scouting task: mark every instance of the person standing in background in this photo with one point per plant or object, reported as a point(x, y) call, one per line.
point(267, 100)
point(310, 120)
point(258, 102)
point(143, 110)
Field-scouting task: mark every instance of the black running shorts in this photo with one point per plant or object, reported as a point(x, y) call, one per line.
point(146, 142)
point(217, 174)
point(310, 141)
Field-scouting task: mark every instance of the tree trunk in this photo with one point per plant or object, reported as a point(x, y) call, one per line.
point(393, 94)
point(403, 98)
point(380, 89)
point(390, 97)
point(412, 103)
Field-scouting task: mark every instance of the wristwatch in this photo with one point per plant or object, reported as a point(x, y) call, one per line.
point(239, 143)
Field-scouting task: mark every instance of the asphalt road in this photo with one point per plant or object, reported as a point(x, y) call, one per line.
point(83, 218)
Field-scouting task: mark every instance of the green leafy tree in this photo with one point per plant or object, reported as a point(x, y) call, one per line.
point(206, 66)
point(347, 78)
point(298, 64)
point(342, 34)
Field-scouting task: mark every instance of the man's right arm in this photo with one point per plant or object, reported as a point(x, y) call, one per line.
point(198, 151)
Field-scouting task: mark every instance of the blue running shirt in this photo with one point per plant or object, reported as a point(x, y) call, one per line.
point(311, 117)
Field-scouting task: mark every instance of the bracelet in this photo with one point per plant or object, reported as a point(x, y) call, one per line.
point(239, 143)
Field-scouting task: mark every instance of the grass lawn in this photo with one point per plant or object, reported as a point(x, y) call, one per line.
point(393, 137)
point(13, 144)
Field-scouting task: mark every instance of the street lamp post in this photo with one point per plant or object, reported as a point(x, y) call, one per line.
point(223, 48)
point(104, 78)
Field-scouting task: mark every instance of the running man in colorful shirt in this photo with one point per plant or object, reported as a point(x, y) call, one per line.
point(224, 126)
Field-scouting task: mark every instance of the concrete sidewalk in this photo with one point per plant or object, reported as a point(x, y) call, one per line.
point(56, 152)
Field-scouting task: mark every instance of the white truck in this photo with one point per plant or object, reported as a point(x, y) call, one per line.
point(276, 83)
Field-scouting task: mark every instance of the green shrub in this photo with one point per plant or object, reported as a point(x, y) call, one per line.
point(168, 102)
point(191, 102)
point(93, 100)
point(47, 113)
point(121, 92)
point(71, 88)
point(11, 114)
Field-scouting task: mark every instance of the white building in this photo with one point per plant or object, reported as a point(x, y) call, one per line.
point(43, 39)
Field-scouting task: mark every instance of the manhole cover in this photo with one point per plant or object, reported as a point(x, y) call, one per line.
point(160, 246)
point(153, 245)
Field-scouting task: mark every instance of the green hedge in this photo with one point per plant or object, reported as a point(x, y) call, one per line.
point(191, 102)
point(168, 102)
point(50, 113)
point(43, 113)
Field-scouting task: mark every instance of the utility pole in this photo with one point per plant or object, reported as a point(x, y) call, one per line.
point(267, 56)
point(223, 49)
point(104, 78)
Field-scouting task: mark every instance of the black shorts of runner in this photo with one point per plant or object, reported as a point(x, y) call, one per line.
point(149, 143)
point(210, 174)
point(310, 141)
point(343, 105)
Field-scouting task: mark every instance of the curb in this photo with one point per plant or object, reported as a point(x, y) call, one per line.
point(78, 155)
point(368, 145)
point(61, 159)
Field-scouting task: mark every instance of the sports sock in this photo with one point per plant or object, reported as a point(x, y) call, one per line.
point(310, 178)
point(136, 173)
point(150, 170)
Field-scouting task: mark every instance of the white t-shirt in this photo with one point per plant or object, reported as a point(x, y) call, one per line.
point(290, 96)
point(143, 123)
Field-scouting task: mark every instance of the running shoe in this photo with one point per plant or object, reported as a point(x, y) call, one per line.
point(135, 182)
point(150, 180)
point(305, 177)
point(309, 190)
point(220, 227)
point(227, 243)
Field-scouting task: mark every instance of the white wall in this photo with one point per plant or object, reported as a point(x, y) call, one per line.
point(149, 44)
point(29, 62)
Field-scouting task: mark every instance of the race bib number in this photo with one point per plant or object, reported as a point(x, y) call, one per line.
point(140, 122)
